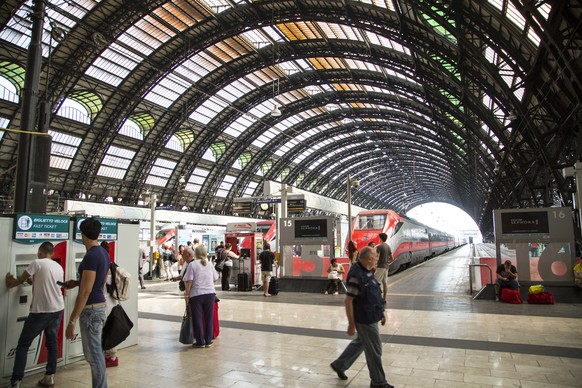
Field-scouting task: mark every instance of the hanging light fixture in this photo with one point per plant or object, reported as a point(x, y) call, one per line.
point(276, 112)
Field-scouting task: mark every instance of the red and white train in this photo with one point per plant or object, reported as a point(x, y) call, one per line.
point(411, 242)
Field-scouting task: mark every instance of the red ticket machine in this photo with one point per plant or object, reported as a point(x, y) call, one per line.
point(253, 246)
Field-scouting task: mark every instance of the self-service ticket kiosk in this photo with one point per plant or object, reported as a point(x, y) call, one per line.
point(247, 257)
point(22, 236)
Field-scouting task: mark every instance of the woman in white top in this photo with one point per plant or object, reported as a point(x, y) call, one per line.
point(227, 269)
point(199, 281)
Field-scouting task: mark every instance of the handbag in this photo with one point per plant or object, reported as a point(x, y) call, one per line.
point(510, 296)
point(219, 266)
point(186, 331)
point(116, 329)
point(545, 297)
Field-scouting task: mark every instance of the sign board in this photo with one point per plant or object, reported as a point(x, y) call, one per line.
point(296, 205)
point(525, 223)
point(242, 207)
point(33, 228)
point(241, 227)
point(108, 229)
point(307, 231)
point(269, 200)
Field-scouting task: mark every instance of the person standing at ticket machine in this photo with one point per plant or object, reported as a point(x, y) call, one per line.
point(90, 303)
point(46, 312)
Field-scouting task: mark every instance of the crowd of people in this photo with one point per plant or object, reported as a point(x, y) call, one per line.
point(364, 303)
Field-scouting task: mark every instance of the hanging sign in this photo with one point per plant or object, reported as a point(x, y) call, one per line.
point(108, 229)
point(33, 228)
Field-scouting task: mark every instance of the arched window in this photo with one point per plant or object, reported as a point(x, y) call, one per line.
point(137, 125)
point(81, 106)
point(11, 81)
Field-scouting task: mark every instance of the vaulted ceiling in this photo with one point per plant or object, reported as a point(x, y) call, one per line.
point(473, 103)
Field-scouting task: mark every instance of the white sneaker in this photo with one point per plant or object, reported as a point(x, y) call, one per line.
point(47, 381)
point(336, 293)
point(325, 293)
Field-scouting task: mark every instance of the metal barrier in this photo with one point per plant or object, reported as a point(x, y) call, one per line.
point(471, 275)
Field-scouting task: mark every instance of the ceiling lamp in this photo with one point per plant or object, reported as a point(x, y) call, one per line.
point(276, 112)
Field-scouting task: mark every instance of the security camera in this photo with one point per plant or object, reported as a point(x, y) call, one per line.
point(356, 183)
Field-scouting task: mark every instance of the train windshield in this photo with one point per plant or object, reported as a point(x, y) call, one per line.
point(161, 234)
point(263, 228)
point(376, 221)
point(397, 228)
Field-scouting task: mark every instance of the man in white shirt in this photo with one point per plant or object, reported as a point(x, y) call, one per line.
point(46, 312)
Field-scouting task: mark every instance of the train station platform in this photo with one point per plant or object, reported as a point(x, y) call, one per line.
point(436, 335)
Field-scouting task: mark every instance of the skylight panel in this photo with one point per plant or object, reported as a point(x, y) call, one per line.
point(168, 90)
point(274, 34)
point(208, 110)
point(225, 186)
point(160, 172)
point(63, 149)
point(515, 16)
point(257, 38)
point(218, 5)
point(115, 163)
point(250, 190)
point(140, 46)
point(4, 123)
point(113, 65)
point(241, 124)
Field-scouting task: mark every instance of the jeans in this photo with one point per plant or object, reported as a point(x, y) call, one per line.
point(35, 324)
point(202, 313)
point(367, 341)
point(91, 323)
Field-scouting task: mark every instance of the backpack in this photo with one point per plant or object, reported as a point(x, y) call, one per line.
point(120, 282)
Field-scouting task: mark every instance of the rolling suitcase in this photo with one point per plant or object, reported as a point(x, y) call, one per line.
point(274, 285)
point(244, 282)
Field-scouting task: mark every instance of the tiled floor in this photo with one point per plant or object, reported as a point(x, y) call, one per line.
point(289, 341)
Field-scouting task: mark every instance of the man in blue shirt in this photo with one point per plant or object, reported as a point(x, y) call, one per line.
point(90, 303)
point(364, 309)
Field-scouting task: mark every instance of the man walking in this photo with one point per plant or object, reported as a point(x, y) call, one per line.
point(364, 308)
point(384, 260)
point(90, 303)
point(46, 312)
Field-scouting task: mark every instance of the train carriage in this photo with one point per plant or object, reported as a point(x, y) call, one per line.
point(411, 241)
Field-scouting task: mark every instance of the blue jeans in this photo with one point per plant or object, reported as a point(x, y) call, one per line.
point(367, 341)
point(91, 323)
point(202, 313)
point(35, 324)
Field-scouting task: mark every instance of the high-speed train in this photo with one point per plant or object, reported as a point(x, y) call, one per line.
point(411, 242)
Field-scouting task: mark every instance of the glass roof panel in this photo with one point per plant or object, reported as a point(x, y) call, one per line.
point(113, 65)
point(167, 90)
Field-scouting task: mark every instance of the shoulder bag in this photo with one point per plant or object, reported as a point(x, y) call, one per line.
point(116, 329)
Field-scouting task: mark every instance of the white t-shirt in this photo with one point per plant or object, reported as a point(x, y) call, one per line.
point(47, 296)
point(229, 256)
point(202, 278)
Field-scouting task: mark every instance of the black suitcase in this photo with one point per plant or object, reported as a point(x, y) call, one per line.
point(274, 285)
point(244, 282)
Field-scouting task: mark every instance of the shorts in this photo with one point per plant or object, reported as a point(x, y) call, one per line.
point(381, 275)
point(266, 276)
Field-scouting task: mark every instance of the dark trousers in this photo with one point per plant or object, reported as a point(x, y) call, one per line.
point(226, 278)
point(202, 312)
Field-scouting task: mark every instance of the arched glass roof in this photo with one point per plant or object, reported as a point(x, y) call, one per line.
point(474, 103)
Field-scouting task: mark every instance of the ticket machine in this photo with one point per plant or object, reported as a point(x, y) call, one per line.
point(26, 232)
point(248, 257)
